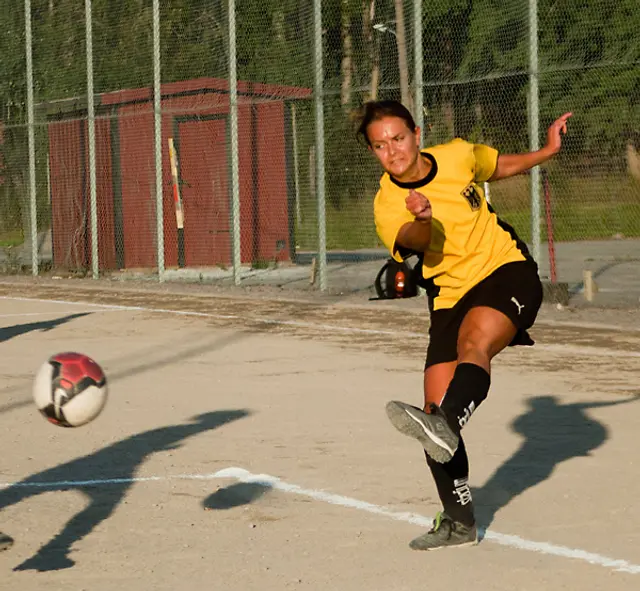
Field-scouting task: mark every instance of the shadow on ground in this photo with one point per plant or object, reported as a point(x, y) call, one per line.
point(552, 433)
point(9, 332)
point(236, 495)
point(112, 471)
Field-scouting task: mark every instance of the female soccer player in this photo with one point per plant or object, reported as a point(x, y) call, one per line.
point(482, 285)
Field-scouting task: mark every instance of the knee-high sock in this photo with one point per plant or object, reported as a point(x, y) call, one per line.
point(468, 388)
point(453, 488)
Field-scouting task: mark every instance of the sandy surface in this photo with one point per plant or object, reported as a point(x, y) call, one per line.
point(295, 388)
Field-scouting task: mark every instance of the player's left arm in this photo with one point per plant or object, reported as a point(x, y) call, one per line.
point(512, 164)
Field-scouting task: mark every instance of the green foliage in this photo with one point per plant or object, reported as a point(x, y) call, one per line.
point(476, 60)
point(583, 209)
point(11, 238)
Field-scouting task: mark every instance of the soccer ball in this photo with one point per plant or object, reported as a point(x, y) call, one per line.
point(70, 389)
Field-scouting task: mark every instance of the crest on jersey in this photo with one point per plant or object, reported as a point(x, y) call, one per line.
point(472, 195)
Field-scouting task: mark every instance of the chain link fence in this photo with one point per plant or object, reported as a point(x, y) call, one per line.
point(215, 138)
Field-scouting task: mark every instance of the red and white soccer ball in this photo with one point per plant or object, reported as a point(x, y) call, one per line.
point(70, 389)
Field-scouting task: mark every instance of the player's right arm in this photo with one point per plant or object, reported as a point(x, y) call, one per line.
point(403, 230)
point(416, 235)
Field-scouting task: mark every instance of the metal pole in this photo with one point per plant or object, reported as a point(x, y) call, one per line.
point(235, 167)
point(534, 125)
point(320, 171)
point(157, 127)
point(33, 212)
point(296, 165)
point(417, 67)
point(91, 126)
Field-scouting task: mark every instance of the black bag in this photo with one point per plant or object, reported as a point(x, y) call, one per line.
point(398, 280)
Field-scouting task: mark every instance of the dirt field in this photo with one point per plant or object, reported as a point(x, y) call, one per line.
point(245, 447)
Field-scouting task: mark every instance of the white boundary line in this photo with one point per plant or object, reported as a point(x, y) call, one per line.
point(541, 321)
point(273, 482)
point(583, 350)
point(257, 319)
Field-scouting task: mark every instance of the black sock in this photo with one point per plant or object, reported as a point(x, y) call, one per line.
point(468, 388)
point(452, 484)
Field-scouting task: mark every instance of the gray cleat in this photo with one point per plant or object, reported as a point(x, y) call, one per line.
point(431, 430)
point(446, 533)
point(5, 541)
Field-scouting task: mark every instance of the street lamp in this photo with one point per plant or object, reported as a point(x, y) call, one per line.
point(402, 59)
point(382, 28)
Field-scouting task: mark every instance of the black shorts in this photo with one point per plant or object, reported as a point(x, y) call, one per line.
point(513, 289)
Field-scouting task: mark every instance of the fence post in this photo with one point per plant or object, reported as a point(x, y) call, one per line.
point(235, 166)
point(534, 125)
point(417, 67)
point(157, 126)
point(91, 127)
point(33, 212)
point(296, 166)
point(319, 120)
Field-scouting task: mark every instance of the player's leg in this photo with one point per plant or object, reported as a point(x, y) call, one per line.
point(455, 525)
point(427, 426)
point(484, 332)
point(489, 319)
point(503, 307)
point(5, 541)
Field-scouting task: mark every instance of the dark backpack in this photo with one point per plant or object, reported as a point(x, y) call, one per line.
point(398, 280)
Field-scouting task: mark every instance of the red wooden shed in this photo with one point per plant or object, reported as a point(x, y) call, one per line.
point(195, 114)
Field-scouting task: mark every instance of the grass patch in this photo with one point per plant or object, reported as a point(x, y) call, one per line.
point(350, 227)
point(584, 208)
point(261, 264)
point(11, 238)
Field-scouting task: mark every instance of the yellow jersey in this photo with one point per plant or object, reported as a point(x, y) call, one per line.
point(468, 240)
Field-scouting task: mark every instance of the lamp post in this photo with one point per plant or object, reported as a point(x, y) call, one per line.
point(384, 29)
point(402, 59)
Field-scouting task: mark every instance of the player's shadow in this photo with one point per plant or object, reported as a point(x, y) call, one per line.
point(552, 433)
point(235, 495)
point(113, 469)
point(9, 332)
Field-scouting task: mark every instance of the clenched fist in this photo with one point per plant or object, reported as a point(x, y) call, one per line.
point(418, 205)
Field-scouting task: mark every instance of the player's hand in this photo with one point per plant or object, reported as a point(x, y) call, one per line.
point(418, 205)
point(555, 132)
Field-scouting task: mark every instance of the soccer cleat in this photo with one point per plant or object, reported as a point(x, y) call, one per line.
point(446, 533)
point(5, 541)
point(431, 430)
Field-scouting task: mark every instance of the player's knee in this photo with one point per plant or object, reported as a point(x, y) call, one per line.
point(474, 343)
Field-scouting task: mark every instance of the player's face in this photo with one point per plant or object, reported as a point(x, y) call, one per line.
point(395, 146)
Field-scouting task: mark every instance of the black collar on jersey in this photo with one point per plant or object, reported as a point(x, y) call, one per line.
point(422, 182)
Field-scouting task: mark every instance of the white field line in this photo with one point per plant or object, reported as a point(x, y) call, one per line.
point(583, 350)
point(275, 483)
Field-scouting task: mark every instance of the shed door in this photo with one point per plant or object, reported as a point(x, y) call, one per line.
point(202, 160)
